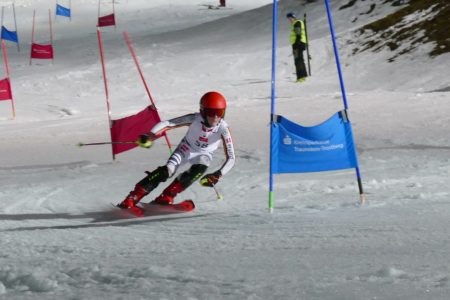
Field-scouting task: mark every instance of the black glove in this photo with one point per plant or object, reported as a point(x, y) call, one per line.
point(143, 138)
point(144, 141)
point(211, 179)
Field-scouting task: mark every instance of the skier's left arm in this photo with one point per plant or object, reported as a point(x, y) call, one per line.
point(228, 147)
point(163, 126)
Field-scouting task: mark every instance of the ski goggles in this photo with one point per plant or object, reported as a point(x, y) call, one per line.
point(212, 112)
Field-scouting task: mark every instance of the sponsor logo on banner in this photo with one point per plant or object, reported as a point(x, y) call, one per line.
point(287, 140)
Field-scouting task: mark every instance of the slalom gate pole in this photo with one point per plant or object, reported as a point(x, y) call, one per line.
point(114, 14)
point(336, 54)
point(50, 26)
point(272, 109)
point(32, 36)
point(51, 31)
point(15, 25)
point(362, 197)
point(133, 54)
point(106, 86)
point(307, 46)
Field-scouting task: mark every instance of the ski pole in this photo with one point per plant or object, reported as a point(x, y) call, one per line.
point(219, 196)
point(307, 46)
point(103, 143)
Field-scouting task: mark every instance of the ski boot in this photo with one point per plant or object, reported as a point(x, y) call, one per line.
point(144, 187)
point(166, 198)
point(133, 197)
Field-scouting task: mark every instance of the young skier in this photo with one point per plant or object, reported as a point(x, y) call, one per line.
point(206, 129)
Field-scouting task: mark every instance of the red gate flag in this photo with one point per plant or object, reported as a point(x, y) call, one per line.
point(130, 128)
point(5, 89)
point(41, 51)
point(130, 46)
point(108, 20)
point(5, 84)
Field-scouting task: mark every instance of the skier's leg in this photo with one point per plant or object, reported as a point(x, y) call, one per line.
point(145, 186)
point(183, 181)
point(302, 67)
point(300, 63)
point(295, 54)
point(150, 182)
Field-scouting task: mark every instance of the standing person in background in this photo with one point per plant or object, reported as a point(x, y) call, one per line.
point(298, 41)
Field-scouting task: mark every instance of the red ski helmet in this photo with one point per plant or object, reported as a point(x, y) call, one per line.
point(213, 104)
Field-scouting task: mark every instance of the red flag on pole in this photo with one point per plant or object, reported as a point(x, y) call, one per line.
point(5, 84)
point(108, 20)
point(41, 51)
point(133, 54)
point(5, 90)
point(131, 127)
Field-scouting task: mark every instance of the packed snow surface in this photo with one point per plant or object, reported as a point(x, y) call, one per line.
point(62, 239)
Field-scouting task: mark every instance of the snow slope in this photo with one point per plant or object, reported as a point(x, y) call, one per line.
point(61, 239)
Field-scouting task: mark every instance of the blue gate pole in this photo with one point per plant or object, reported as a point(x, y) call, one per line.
point(272, 109)
point(336, 54)
point(344, 96)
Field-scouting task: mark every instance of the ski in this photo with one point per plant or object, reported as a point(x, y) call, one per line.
point(183, 206)
point(142, 209)
point(135, 210)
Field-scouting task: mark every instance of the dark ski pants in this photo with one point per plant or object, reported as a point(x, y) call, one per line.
point(300, 66)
